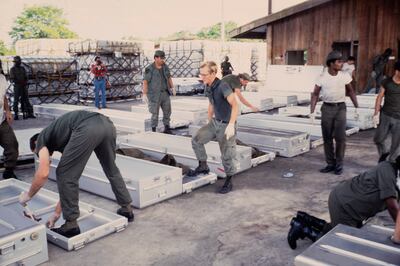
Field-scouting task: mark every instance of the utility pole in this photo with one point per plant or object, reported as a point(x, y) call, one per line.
point(222, 27)
point(269, 7)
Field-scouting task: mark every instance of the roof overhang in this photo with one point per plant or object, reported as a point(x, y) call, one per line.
point(257, 29)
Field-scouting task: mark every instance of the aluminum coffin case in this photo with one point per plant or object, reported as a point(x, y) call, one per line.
point(157, 145)
point(147, 182)
point(345, 245)
point(286, 143)
point(22, 240)
point(94, 222)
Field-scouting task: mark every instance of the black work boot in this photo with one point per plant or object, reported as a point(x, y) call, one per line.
point(383, 157)
point(310, 220)
point(167, 130)
point(328, 168)
point(69, 229)
point(295, 232)
point(31, 115)
point(339, 169)
point(127, 212)
point(153, 129)
point(9, 173)
point(201, 169)
point(16, 117)
point(227, 187)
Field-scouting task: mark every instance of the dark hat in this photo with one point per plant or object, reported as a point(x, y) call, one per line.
point(244, 76)
point(17, 58)
point(334, 55)
point(159, 53)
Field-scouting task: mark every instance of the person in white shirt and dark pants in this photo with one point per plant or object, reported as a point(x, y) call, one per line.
point(333, 85)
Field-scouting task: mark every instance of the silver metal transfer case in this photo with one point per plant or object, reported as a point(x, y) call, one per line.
point(345, 245)
point(147, 182)
point(157, 145)
point(94, 222)
point(22, 240)
point(285, 143)
point(288, 123)
point(193, 114)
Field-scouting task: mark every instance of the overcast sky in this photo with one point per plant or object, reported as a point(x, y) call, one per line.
point(114, 19)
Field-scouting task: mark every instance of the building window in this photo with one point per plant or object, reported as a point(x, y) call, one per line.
point(297, 57)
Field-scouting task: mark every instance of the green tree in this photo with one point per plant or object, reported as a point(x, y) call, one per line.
point(4, 50)
point(41, 22)
point(214, 31)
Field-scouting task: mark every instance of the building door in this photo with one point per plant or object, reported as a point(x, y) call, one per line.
point(347, 49)
point(343, 47)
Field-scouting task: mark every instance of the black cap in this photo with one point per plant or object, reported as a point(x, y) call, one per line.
point(334, 55)
point(244, 76)
point(17, 58)
point(159, 53)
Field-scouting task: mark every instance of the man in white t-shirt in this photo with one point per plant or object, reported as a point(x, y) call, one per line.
point(333, 85)
point(7, 137)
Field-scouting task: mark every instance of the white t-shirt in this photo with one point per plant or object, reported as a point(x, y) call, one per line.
point(3, 89)
point(333, 88)
point(348, 68)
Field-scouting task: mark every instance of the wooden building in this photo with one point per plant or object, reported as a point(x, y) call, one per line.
point(307, 32)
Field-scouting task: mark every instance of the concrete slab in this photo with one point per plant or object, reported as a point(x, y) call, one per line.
point(245, 227)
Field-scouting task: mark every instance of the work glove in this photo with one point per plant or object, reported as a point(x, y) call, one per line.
point(145, 99)
point(312, 118)
point(255, 109)
point(24, 198)
point(375, 120)
point(173, 91)
point(52, 220)
point(356, 114)
point(230, 131)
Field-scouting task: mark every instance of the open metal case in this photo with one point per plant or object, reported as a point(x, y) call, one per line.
point(94, 222)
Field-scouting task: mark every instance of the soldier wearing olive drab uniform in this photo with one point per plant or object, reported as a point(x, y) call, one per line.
point(19, 78)
point(222, 114)
point(76, 135)
point(157, 89)
point(352, 202)
point(333, 85)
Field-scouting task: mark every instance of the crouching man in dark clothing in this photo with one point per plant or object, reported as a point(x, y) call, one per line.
point(352, 202)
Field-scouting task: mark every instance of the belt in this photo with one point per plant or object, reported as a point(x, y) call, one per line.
point(221, 121)
point(334, 104)
point(98, 78)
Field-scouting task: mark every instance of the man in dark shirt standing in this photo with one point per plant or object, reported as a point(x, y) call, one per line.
point(76, 135)
point(19, 78)
point(222, 114)
point(387, 136)
point(226, 67)
point(352, 202)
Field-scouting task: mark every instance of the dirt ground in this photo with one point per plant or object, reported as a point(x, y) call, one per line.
point(245, 227)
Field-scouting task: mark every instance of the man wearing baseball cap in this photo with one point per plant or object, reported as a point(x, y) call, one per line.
point(157, 89)
point(235, 82)
point(333, 85)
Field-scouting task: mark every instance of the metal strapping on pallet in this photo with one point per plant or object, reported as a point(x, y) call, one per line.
point(346, 245)
point(94, 222)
